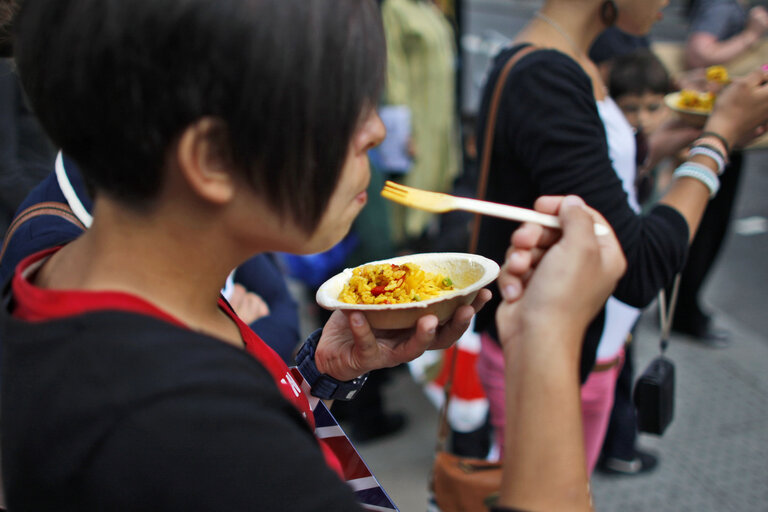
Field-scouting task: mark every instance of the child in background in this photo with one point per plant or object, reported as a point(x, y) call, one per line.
point(638, 82)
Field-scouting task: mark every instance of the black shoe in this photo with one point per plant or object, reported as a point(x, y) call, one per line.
point(382, 425)
point(642, 463)
point(707, 336)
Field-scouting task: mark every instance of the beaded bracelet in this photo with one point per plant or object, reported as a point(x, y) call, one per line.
point(699, 172)
point(718, 137)
point(714, 142)
point(710, 152)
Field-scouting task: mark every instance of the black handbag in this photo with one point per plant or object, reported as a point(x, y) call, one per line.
point(654, 393)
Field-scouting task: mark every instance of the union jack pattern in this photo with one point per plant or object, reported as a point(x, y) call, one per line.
point(369, 491)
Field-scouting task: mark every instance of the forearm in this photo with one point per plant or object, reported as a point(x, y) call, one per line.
point(689, 197)
point(705, 50)
point(544, 461)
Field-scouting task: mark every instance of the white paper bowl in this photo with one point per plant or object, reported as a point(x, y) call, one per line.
point(696, 117)
point(469, 273)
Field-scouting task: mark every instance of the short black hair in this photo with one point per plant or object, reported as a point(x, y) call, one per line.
point(7, 10)
point(115, 82)
point(638, 72)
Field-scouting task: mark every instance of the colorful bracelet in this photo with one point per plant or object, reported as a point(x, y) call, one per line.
point(699, 172)
point(718, 137)
point(710, 152)
point(713, 142)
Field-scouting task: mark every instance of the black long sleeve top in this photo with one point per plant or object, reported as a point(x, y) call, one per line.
point(550, 140)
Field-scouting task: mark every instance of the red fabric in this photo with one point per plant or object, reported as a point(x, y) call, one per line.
point(466, 383)
point(35, 304)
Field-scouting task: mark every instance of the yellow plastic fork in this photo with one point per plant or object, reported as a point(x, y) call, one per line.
point(440, 203)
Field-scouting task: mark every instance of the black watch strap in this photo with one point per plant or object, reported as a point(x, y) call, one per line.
point(321, 385)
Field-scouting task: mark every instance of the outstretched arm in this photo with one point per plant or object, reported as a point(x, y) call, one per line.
point(705, 49)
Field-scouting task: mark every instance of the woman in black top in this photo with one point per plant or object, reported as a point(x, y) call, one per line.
point(550, 140)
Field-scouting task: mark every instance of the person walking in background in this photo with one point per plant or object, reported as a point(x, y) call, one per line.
point(421, 76)
point(720, 31)
point(558, 132)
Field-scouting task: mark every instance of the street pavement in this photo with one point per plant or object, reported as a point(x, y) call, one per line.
point(714, 456)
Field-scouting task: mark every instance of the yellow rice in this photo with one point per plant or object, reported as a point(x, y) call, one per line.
point(690, 99)
point(393, 284)
point(717, 74)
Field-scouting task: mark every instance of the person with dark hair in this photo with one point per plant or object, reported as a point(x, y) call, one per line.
point(638, 82)
point(128, 383)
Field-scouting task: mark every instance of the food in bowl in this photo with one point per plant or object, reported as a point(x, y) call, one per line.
point(717, 74)
point(389, 283)
point(690, 99)
point(468, 273)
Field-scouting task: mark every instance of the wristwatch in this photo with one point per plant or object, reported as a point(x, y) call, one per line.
point(321, 385)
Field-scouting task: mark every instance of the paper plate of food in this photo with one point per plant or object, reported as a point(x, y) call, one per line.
point(691, 106)
point(396, 292)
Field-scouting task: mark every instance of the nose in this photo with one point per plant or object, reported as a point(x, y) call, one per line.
point(373, 131)
point(643, 116)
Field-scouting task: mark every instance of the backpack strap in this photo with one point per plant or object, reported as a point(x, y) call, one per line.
point(57, 209)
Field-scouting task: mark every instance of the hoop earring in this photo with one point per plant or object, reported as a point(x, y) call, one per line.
point(609, 12)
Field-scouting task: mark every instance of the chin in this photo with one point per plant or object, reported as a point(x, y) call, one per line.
point(635, 29)
point(323, 243)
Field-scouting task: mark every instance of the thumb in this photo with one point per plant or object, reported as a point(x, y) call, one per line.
point(575, 218)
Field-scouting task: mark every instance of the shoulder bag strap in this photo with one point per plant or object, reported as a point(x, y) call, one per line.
point(54, 208)
point(482, 183)
point(490, 127)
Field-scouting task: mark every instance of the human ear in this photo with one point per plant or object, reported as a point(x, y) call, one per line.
point(204, 158)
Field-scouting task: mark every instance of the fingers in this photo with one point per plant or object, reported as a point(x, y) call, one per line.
point(238, 294)
point(449, 333)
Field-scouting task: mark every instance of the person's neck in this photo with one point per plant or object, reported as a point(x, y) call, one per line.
point(565, 26)
point(571, 28)
point(180, 271)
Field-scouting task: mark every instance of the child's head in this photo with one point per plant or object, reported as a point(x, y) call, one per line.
point(279, 87)
point(638, 82)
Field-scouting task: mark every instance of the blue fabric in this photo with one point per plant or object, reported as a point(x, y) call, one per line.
point(40, 232)
point(314, 269)
point(280, 329)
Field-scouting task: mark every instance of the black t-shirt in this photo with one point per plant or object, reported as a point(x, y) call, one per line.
point(550, 140)
point(122, 412)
